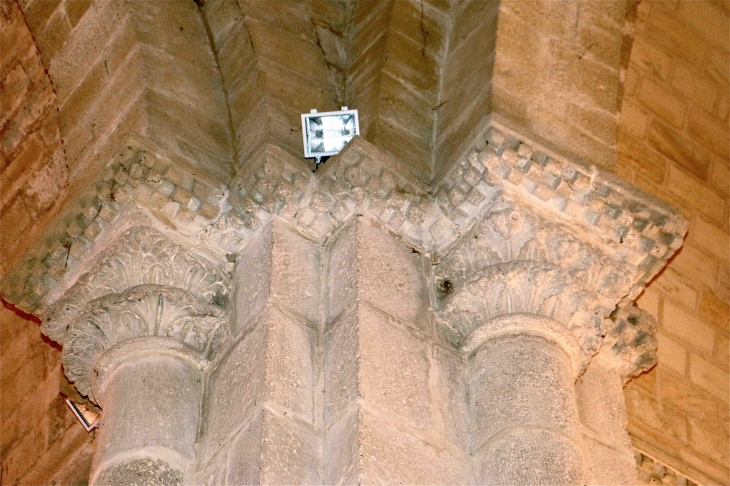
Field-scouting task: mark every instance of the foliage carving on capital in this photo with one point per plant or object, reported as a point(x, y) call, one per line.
point(143, 310)
point(142, 256)
point(525, 287)
point(510, 232)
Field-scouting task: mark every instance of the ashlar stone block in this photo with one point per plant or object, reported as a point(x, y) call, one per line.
point(295, 272)
point(252, 279)
point(607, 465)
point(290, 365)
point(235, 386)
point(373, 358)
point(390, 455)
point(601, 406)
point(290, 451)
point(390, 276)
point(274, 364)
point(277, 265)
point(394, 368)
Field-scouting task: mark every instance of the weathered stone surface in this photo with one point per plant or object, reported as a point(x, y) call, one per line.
point(151, 402)
point(388, 454)
point(532, 456)
point(610, 240)
point(601, 406)
point(289, 451)
point(394, 368)
point(234, 388)
point(390, 276)
point(295, 273)
point(342, 272)
point(519, 381)
point(290, 365)
point(341, 366)
point(252, 279)
point(630, 342)
point(606, 465)
point(141, 472)
point(244, 457)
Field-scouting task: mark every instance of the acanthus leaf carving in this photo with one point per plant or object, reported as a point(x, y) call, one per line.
point(142, 256)
point(525, 287)
point(143, 310)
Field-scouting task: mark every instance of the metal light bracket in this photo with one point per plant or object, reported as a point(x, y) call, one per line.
point(325, 134)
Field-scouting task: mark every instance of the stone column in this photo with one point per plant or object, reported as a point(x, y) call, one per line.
point(522, 363)
point(150, 391)
point(527, 304)
point(523, 408)
point(140, 355)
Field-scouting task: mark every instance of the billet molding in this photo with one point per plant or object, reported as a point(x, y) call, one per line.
point(630, 342)
point(654, 471)
point(608, 237)
point(631, 226)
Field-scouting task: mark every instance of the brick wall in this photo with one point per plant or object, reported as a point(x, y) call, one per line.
point(673, 142)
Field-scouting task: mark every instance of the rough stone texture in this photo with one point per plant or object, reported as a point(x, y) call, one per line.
point(673, 143)
point(531, 456)
point(556, 73)
point(600, 401)
point(141, 472)
point(158, 181)
point(33, 172)
point(122, 69)
point(151, 405)
point(508, 376)
point(651, 471)
point(389, 455)
point(40, 439)
point(233, 388)
point(394, 402)
point(604, 464)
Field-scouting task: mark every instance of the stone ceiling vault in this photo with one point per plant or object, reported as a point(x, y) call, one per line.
point(216, 82)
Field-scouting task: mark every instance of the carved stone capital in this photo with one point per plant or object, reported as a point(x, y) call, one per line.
point(143, 310)
point(141, 285)
point(506, 200)
point(593, 214)
point(525, 288)
point(141, 256)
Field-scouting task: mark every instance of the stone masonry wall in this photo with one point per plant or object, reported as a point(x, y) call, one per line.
point(33, 171)
point(673, 143)
point(39, 436)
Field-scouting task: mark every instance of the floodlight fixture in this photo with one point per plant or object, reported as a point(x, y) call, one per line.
point(88, 419)
point(325, 134)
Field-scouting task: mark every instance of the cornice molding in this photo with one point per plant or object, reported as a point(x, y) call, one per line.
point(607, 237)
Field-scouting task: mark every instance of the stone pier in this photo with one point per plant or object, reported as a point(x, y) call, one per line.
point(354, 326)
